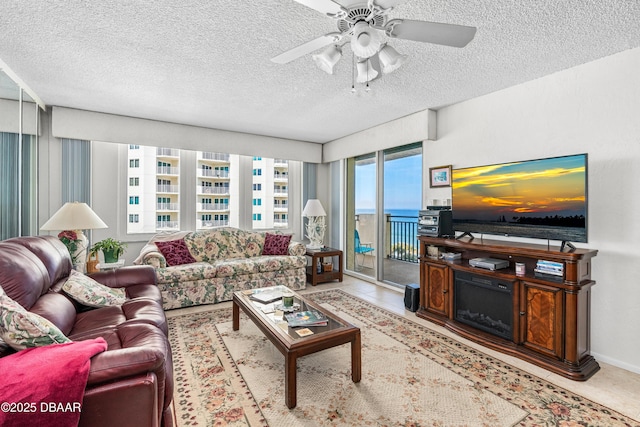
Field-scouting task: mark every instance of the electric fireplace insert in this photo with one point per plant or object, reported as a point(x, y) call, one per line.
point(484, 302)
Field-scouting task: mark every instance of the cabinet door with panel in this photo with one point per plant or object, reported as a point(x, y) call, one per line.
point(437, 290)
point(541, 318)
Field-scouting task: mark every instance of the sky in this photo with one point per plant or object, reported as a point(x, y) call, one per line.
point(534, 188)
point(402, 184)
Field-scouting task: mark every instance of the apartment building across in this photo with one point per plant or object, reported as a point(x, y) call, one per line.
point(155, 189)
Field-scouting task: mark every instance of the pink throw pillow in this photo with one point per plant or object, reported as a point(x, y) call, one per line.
point(276, 244)
point(175, 252)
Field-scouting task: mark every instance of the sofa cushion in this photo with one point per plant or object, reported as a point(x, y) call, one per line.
point(22, 329)
point(224, 243)
point(236, 267)
point(276, 244)
point(186, 272)
point(175, 252)
point(279, 263)
point(88, 292)
point(24, 277)
point(132, 311)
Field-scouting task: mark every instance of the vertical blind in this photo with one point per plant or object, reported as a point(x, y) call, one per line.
point(18, 183)
point(76, 170)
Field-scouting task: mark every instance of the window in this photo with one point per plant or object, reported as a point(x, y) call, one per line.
point(222, 182)
point(153, 192)
point(270, 193)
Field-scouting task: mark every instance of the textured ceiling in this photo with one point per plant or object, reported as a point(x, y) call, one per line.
point(206, 62)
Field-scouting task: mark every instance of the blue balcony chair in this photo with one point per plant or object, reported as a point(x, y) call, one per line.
point(362, 249)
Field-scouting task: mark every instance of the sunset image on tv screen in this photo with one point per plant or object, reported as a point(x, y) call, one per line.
point(547, 192)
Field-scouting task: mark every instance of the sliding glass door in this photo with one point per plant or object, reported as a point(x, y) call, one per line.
point(362, 247)
point(384, 194)
point(402, 201)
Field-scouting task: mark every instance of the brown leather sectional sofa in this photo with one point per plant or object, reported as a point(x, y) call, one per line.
point(131, 383)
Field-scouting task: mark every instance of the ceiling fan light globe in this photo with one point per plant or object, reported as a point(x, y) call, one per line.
point(328, 58)
point(366, 41)
point(366, 72)
point(390, 59)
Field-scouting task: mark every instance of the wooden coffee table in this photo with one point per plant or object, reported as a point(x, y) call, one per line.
point(290, 344)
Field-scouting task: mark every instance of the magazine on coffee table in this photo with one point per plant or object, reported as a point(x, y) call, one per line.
point(306, 318)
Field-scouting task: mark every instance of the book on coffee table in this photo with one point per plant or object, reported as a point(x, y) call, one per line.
point(266, 297)
point(306, 318)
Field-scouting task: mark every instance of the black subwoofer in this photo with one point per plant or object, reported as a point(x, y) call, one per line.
point(412, 296)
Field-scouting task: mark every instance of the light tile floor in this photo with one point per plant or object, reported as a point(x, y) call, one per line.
point(611, 386)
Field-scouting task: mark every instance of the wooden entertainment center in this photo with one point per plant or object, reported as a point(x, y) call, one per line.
point(549, 316)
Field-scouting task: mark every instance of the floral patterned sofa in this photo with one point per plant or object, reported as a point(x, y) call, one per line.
point(205, 267)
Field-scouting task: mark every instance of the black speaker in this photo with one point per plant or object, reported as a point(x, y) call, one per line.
point(412, 297)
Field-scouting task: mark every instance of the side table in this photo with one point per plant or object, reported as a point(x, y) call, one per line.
point(318, 256)
point(110, 266)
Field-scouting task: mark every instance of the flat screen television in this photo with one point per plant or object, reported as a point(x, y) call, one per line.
point(543, 199)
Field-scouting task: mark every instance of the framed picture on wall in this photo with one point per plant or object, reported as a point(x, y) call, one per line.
point(440, 176)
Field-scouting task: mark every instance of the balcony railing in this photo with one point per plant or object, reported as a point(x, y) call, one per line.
point(212, 173)
point(167, 188)
point(212, 190)
point(167, 170)
point(281, 176)
point(215, 156)
point(403, 238)
point(167, 206)
point(280, 193)
point(213, 206)
point(167, 225)
point(167, 152)
point(212, 223)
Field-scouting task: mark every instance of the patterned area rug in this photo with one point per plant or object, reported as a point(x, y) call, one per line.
point(411, 376)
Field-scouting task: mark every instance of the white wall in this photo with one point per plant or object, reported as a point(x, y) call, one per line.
point(593, 108)
point(95, 126)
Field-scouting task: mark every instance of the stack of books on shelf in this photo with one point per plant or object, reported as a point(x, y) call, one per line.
point(551, 268)
point(306, 318)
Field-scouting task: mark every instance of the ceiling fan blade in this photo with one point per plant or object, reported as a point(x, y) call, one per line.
point(328, 7)
point(386, 4)
point(430, 32)
point(307, 47)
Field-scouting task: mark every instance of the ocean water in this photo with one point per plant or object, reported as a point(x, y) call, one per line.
point(406, 232)
point(413, 213)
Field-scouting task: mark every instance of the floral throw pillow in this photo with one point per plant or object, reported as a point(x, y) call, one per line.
point(276, 244)
point(175, 252)
point(22, 329)
point(88, 292)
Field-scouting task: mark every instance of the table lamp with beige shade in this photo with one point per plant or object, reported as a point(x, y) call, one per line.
point(72, 218)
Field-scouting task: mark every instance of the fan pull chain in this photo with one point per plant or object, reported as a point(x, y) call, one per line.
point(353, 74)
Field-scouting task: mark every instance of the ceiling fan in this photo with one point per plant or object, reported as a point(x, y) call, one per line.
point(365, 25)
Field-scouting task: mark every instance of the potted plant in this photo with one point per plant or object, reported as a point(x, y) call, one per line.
point(111, 249)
